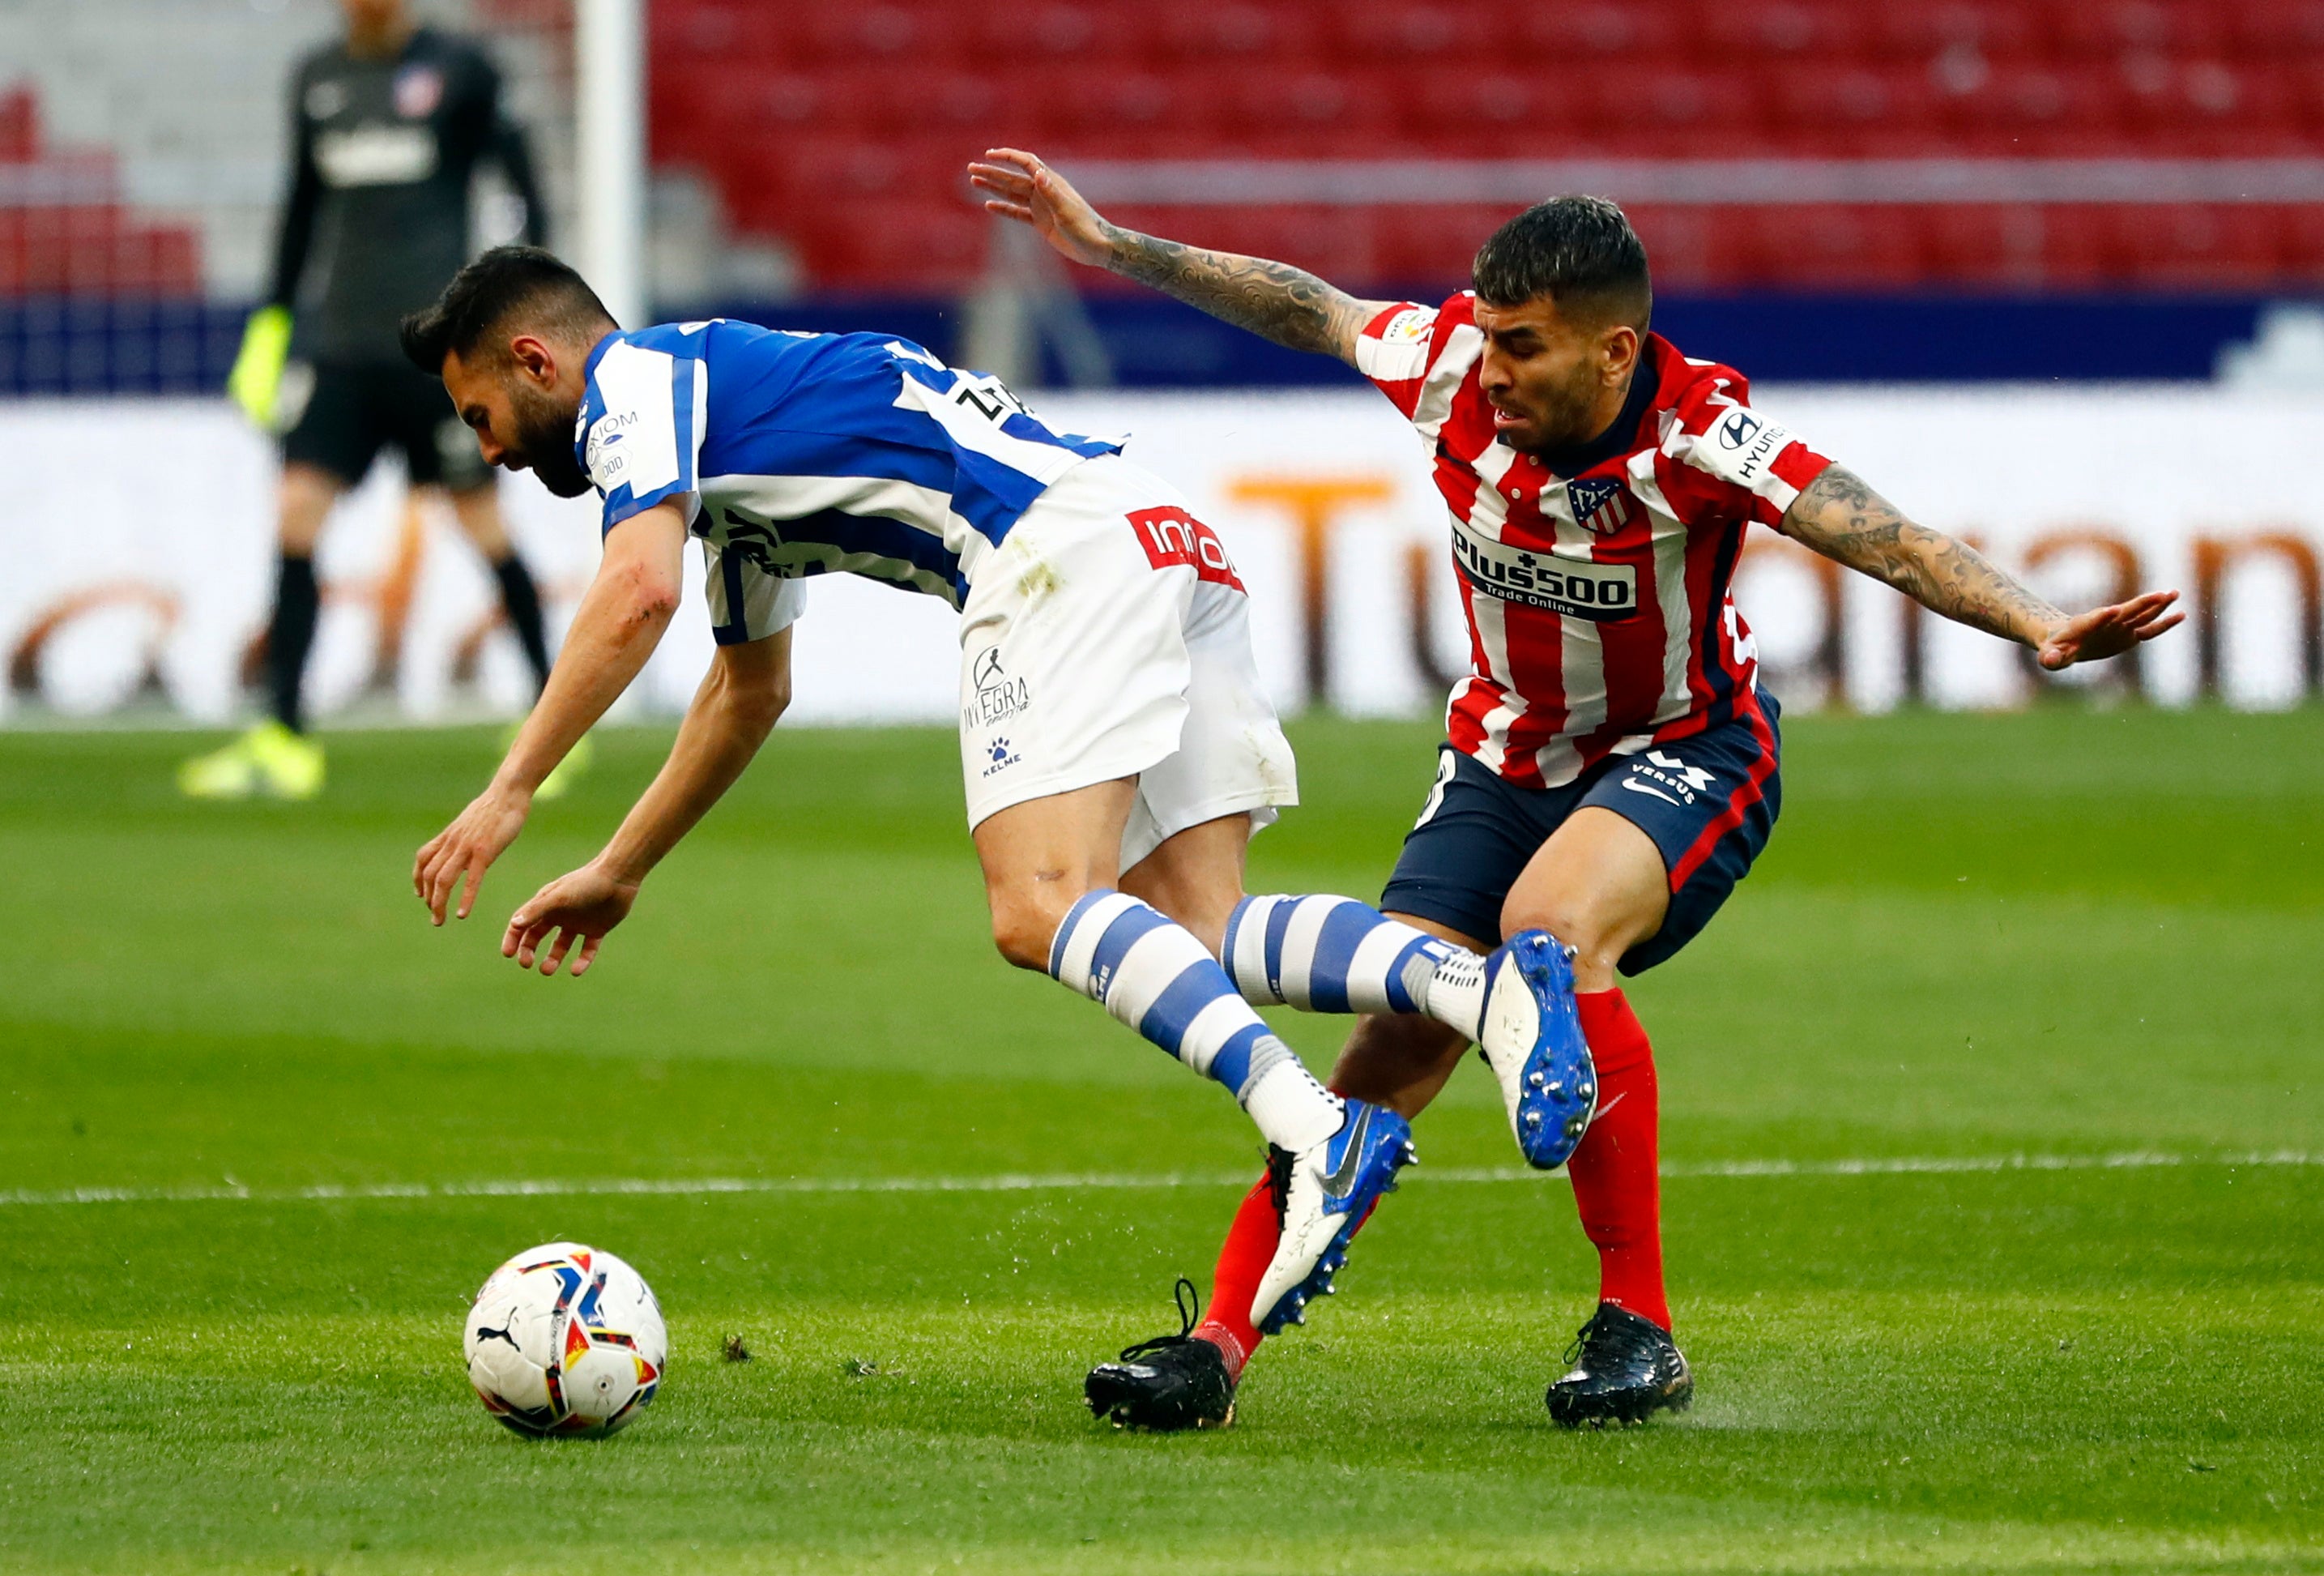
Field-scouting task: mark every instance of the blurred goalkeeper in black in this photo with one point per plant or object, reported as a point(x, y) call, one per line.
point(388, 125)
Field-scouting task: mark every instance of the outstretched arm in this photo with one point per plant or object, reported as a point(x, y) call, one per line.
point(1274, 301)
point(619, 623)
point(739, 700)
point(1845, 521)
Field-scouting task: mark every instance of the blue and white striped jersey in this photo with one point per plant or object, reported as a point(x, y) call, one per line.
point(802, 454)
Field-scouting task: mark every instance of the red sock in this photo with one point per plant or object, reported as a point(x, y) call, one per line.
point(1616, 1188)
point(1243, 1259)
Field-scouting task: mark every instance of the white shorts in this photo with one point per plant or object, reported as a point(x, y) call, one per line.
point(1107, 637)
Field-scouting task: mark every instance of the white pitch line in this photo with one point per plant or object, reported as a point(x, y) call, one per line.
point(682, 1187)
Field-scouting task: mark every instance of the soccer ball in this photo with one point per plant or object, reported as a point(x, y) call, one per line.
point(566, 1339)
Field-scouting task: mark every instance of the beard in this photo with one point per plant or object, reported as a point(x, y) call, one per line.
point(1565, 410)
point(544, 441)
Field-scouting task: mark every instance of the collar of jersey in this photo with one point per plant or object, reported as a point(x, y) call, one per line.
point(597, 352)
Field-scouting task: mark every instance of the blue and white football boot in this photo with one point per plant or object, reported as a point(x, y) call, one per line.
point(1321, 1195)
point(1531, 1040)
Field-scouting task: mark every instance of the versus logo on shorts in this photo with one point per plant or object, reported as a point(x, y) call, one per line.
point(1668, 779)
point(1171, 536)
point(1572, 588)
point(998, 698)
point(1002, 756)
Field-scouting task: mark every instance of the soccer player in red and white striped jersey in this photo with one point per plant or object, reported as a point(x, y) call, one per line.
point(1594, 574)
point(1610, 767)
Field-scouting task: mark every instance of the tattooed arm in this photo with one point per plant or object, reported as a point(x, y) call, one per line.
point(1846, 522)
point(1273, 299)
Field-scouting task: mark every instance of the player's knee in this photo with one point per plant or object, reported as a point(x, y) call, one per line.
point(1597, 942)
point(1023, 926)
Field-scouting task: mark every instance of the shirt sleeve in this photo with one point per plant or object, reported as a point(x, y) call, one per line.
point(748, 601)
point(296, 227)
point(1396, 349)
point(642, 439)
point(1750, 462)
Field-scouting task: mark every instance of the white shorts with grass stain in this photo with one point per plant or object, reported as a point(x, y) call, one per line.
point(1108, 636)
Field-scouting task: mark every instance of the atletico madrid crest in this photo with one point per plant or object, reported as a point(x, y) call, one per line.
point(1600, 505)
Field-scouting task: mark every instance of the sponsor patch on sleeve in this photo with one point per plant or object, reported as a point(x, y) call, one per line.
point(1410, 326)
point(1398, 350)
point(1741, 447)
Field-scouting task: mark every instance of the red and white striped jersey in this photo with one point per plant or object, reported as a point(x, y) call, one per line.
point(1599, 622)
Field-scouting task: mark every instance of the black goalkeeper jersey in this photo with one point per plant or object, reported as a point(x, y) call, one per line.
point(383, 153)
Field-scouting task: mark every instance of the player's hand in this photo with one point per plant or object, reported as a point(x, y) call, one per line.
point(1022, 187)
point(467, 848)
point(580, 907)
point(255, 380)
point(2106, 632)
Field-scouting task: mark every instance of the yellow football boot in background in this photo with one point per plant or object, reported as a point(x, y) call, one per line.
point(269, 760)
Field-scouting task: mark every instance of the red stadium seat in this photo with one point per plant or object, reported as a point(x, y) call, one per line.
point(1647, 111)
point(1784, 30)
point(1698, 249)
point(1216, 37)
point(1869, 109)
point(2270, 31)
point(1310, 114)
point(862, 35)
point(1982, 246)
point(799, 111)
point(2169, 27)
point(2085, 248)
point(1826, 246)
point(1449, 114)
point(95, 249)
point(783, 181)
point(2223, 247)
point(1429, 249)
point(2035, 110)
point(2302, 89)
point(19, 126)
point(910, 97)
point(1987, 30)
point(1589, 31)
point(910, 245)
point(2301, 229)
point(1092, 107)
point(687, 35)
point(1061, 32)
point(1413, 34)
point(2230, 108)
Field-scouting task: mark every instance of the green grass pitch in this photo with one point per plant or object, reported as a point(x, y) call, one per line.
point(2063, 935)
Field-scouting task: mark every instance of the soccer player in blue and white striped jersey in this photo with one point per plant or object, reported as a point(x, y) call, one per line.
point(1117, 749)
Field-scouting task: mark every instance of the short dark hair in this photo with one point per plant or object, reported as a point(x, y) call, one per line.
point(506, 284)
point(1579, 251)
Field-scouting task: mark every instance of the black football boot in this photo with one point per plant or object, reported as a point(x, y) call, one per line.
point(1170, 1382)
point(1623, 1369)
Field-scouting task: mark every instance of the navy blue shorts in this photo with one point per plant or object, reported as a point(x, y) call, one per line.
point(1708, 802)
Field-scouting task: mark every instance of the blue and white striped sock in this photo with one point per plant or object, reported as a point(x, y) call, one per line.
point(1336, 955)
point(1154, 976)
